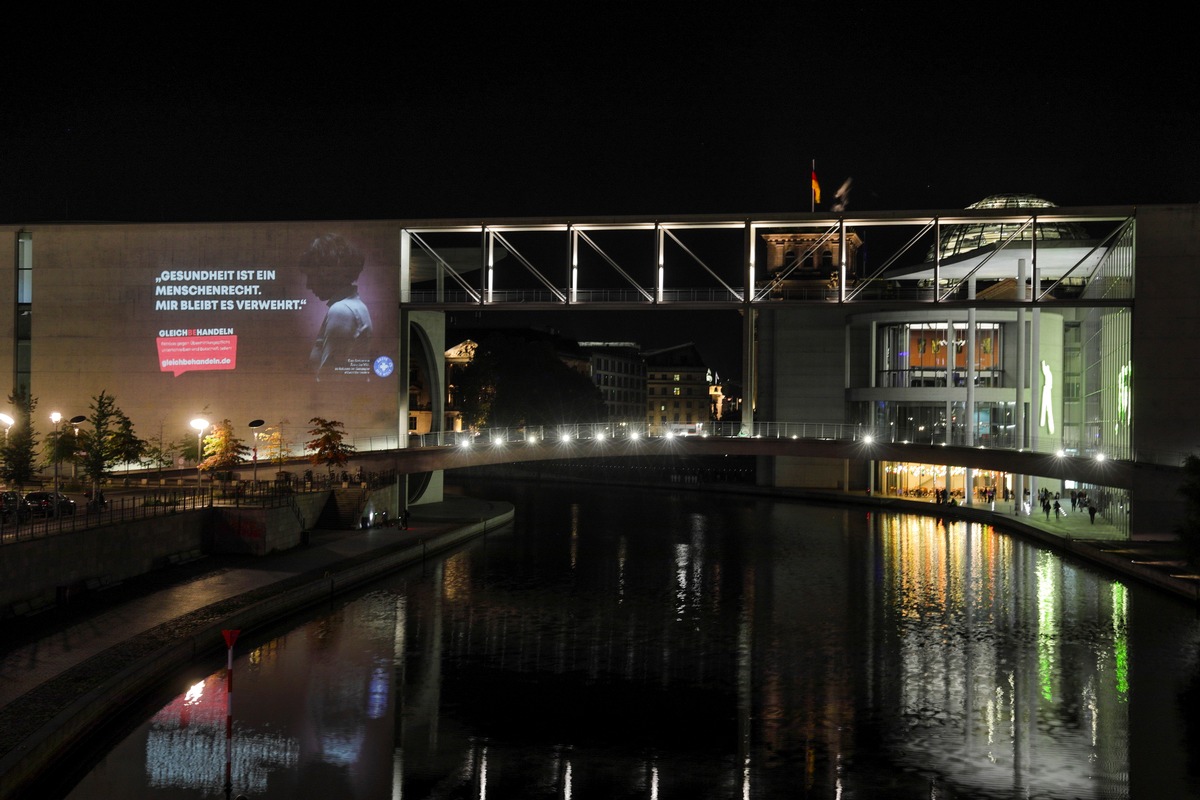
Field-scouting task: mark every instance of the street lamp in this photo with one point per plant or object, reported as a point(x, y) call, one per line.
point(200, 424)
point(55, 418)
point(75, 420)
point(255, 424)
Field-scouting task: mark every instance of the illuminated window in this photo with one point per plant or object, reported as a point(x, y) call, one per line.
point(675, 391)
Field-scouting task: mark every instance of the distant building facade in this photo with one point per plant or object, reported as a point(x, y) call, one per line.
point(803, 263)
point(677, 391)
point(619, 372)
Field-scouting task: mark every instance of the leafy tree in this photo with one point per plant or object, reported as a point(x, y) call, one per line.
point(222, 448)
point(512, 382)
point(61, 446)
point(328, 445)
point(107, 441)
point(20, 443)
point(190, 448)
point(275, 444)
point(160, 453)
point(1189, 529)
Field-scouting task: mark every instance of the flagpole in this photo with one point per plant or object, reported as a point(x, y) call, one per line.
point(812, 190)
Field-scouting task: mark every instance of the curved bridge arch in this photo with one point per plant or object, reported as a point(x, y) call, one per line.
point(455, 451)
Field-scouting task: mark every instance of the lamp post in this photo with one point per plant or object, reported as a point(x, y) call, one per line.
point(55, 418)
point(200, 424)
point(255, 424)
point(8, 422)
point(75, 420)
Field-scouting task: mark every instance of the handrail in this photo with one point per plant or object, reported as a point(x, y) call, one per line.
point(839, 431)
point(164, 501)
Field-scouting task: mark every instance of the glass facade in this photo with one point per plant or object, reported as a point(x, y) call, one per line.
point(929, 354)
point(967, 238)
point(1029, 375)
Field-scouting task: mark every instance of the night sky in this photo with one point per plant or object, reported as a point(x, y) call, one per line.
point(587, 109)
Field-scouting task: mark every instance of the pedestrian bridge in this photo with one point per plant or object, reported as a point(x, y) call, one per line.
point(453, 450)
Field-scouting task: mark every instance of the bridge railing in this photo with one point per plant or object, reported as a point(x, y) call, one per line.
point(826, 431)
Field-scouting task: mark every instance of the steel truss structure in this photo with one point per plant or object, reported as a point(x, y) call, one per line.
point(715, 262)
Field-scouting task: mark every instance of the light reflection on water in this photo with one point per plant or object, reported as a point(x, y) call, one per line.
point(683, 646)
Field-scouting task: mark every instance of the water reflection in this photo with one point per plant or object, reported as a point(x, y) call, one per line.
point(679, 647)
point(1010, 663)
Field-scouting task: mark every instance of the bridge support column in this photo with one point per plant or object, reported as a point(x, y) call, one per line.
point(749, 390)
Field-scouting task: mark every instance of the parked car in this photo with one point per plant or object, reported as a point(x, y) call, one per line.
point(43, 504)
point(13, 508)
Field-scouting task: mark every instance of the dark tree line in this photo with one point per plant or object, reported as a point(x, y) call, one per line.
point(512, 382)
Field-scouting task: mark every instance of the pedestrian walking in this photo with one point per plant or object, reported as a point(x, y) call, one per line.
point(404, 519)
point(1092, 512)
point(1046, 508)
point(1058, 510)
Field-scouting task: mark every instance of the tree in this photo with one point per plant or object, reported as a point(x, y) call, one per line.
point(1189, 529)
point(328, 445)
point(512, 382)
point(275, 443)
point(109, 441)
point(20, 443)
point(61, 445)
point(222, 448)
point(160, 453)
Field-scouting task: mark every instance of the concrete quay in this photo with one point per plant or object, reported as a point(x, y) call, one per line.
point(62, 678)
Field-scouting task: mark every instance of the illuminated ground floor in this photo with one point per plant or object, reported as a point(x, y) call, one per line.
point(1028, 495)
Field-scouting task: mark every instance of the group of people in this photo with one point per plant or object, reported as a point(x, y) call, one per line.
point(944, 496)
point(1079, 502)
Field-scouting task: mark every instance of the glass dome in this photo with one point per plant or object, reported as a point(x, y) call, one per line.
point(957, 240)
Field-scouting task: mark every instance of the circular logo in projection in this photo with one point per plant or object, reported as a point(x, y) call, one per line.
point(383, 366)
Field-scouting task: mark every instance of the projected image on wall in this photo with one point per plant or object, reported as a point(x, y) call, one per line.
point(275, 321)
point(332, 266)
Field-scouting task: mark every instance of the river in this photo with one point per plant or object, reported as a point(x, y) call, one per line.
point(629, 643)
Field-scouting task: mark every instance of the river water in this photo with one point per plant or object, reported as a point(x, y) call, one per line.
point(623, 643)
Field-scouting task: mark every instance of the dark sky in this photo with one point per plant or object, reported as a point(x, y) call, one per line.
point(586, 109)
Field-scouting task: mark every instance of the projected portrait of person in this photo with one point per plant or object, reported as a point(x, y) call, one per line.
point(331, 267)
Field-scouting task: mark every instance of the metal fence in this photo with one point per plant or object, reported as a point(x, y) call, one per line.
point(165, 501)
point(839, 431)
